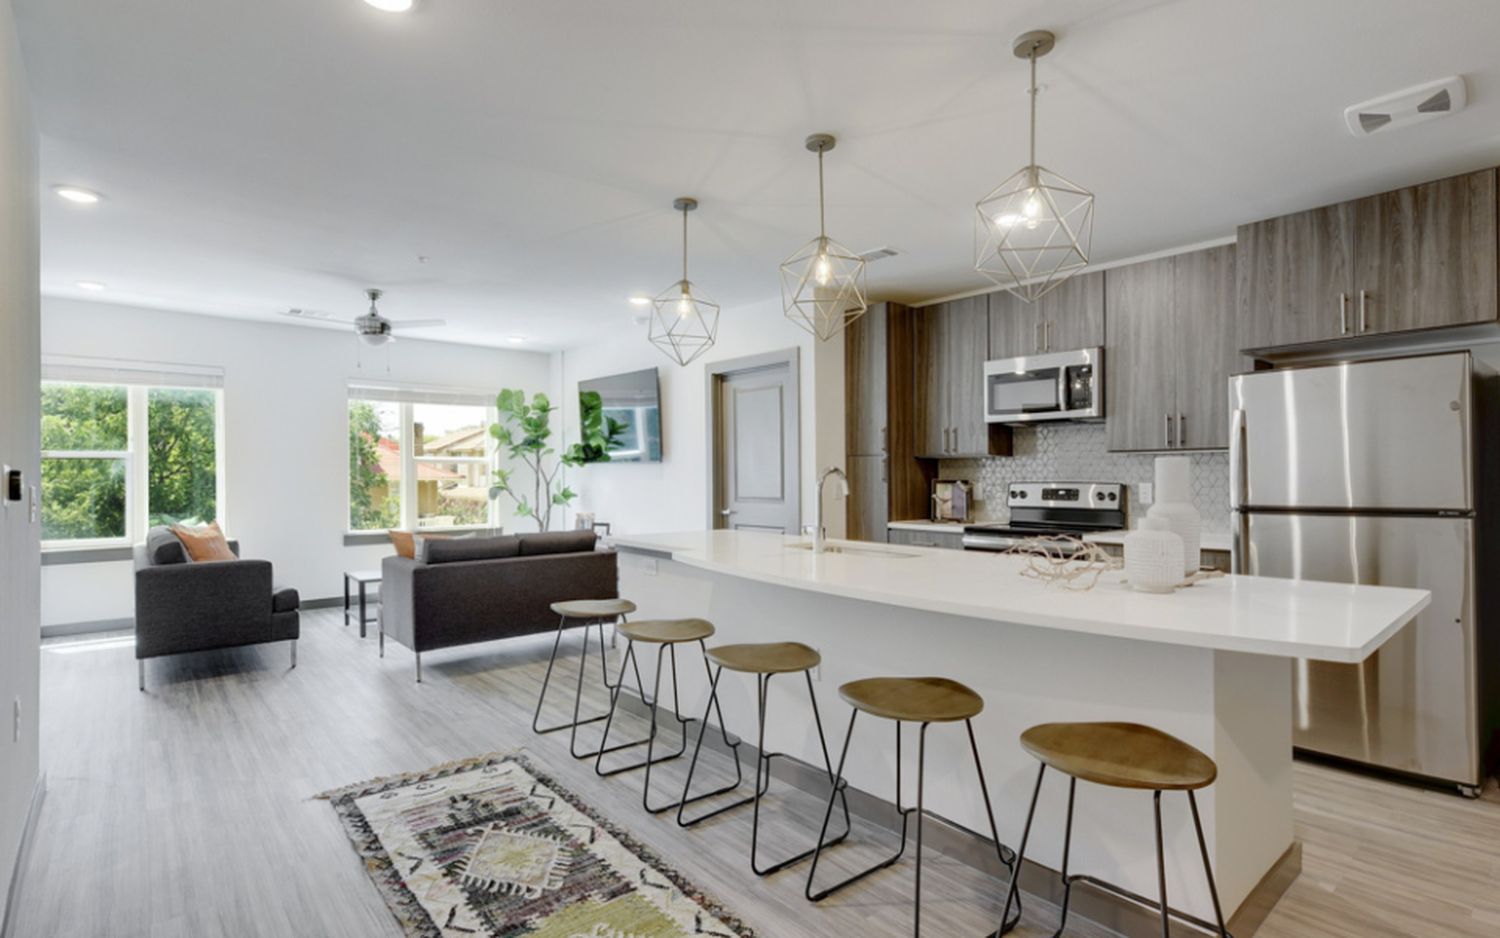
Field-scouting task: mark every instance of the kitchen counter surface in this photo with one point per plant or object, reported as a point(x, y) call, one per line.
point(1210, 540)
point(1258, 615)
point(942, 527)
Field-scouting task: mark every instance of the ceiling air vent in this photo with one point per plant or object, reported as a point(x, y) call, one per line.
point(1409, 106)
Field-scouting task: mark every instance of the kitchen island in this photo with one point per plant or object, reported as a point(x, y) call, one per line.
point(1209, 664)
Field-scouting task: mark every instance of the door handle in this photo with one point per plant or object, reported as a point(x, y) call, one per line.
point(1238, 497)
point(1343, 314)
point(1364, 319)
point(727, 512)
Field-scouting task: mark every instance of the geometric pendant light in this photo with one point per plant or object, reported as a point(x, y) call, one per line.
point(684, 322)
point(823, 284)
point(1034, 230)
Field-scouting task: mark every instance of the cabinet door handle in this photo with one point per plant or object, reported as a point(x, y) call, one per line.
point(883, 463)
point(1343, 314)
point(1364, 319)
point(1166, 433)
point(1181, 430)
point(1037, 339)
point(884, 443)
point(1047, 336)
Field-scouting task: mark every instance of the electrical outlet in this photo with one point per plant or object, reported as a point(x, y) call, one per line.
point(649, 567)
point(1146, 493)
point(15, 733)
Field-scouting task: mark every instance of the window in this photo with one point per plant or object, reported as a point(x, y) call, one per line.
point(419, 460)
point(118, 458)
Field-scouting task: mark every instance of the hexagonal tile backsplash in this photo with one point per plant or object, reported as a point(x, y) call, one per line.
point(1079, 452)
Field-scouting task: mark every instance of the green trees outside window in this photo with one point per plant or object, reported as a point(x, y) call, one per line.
point(374, 496)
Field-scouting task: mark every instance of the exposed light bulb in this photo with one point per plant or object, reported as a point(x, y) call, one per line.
point(685, 306)
point(822, 269)
point(1008, 220)
point(1033, 206)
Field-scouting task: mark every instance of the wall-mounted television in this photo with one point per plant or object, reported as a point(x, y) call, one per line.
point(633, 402)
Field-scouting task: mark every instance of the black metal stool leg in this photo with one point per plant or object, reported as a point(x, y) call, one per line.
point(989, 810)
point(1208, 870)
point(838, 788)
point(1062, 921)
point(604, 747)
point(682, 725)
point(1161, 870)
point(687, 785)
point(536, 720)
point(1014, 892)
point(916, 917)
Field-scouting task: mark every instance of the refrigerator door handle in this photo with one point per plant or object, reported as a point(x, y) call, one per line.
point(1238, 460)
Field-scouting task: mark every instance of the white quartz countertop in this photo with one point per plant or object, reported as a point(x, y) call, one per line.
point(942, 527)
point(1259, 615)
point(1209, 540)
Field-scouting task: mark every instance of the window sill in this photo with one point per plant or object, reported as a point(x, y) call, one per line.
point(58, 556)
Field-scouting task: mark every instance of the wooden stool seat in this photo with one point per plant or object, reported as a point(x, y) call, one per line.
point(766, 658)
point(1120, 755)
point(593, 608)
point(666, 631)
point(913, 699)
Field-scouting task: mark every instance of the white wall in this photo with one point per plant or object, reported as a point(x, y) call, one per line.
point(673, 495)
point(20, 428)
point(286, 438)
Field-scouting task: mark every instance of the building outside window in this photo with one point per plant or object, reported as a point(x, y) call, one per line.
point(419, 459)
point(125, 447)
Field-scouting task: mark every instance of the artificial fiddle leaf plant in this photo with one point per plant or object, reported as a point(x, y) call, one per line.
point(523, 432)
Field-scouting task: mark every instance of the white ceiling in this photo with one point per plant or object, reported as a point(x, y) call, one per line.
point(264, 154)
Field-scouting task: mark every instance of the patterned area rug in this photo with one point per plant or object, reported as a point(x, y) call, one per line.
point(493, 847)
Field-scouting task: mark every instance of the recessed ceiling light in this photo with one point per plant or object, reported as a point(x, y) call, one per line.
point(391, 6)
point(640, 301)
point(93, 286)
point(515, 340)
point(77, 194)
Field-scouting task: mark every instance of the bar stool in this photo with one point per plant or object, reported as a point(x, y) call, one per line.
point(764, 661)
point(1123, 755)
point(666, 634)
point(921, 700)
point(591, 613)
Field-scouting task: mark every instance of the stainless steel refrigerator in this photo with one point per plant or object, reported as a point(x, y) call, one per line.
point(1371, 472)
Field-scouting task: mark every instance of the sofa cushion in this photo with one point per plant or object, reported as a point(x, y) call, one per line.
point(284, 599)
point(163, 547)
point(453, 550)
point(406, 544)
point(558, 542)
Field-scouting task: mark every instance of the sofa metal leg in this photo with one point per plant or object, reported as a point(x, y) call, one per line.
point(140, 670)
point(294, 652)
point(419, 667)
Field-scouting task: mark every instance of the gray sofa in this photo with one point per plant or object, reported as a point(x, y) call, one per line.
point(463, 591)
point(182, 606)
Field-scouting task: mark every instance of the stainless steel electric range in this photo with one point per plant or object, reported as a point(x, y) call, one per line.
point(1051, 510)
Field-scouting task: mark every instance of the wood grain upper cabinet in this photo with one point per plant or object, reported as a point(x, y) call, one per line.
point(1015, 329)
point(1422, 257)
point(1203, 296)
point(866, 342)
point(1072, 314)
point(1169, 351)
point(952, 345)
point(1295, 278)
point(1426, 256)
point(1140, 356)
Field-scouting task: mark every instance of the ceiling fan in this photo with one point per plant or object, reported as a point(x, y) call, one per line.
point(371, 328)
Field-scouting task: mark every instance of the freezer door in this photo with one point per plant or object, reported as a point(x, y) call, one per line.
point(1383, 435)
point(1413, 705)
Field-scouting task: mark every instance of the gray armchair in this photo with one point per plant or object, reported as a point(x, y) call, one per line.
point(182, 606)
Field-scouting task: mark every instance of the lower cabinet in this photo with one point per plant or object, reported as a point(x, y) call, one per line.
point(953, 540)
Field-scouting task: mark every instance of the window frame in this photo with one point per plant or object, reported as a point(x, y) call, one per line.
point(137, 459)
point(408, 519)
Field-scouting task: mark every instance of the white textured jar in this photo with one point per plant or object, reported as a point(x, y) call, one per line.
point(1153, 557)
point(1174, 505)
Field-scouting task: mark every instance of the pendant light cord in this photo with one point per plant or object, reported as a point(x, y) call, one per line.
point(1033, 110)
point(684, 248)
point(822, 214)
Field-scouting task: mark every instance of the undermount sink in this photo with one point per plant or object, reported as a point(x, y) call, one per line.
point(860, 551)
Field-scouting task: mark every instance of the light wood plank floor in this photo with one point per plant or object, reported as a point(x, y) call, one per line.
point(186, 811)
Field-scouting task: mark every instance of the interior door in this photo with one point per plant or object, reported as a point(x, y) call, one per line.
point(1412, 706)
point(756, 451)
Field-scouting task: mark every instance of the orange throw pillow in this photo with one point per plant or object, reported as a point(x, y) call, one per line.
point(406, 544)
point(204, 544)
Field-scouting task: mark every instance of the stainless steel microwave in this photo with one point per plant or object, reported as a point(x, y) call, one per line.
point(1055, 386)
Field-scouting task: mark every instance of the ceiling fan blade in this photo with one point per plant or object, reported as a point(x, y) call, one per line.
point(310, 315)
point(416, 323)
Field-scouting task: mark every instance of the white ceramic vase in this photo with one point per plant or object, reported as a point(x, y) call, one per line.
point(1174, 505)
point(1153, 557)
